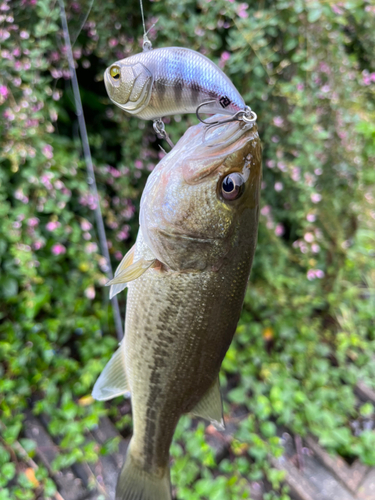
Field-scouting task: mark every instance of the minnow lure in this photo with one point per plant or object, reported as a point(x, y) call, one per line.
point(173, 80)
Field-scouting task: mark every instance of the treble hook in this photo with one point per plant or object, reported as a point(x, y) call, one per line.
point(199, 107)
point(246, 115)
point(159, 128)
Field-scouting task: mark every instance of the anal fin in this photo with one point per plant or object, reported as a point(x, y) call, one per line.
point(112, 381)
point(210, 407)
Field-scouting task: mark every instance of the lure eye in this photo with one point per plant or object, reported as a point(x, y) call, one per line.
point(115, 72)
point(232, 186)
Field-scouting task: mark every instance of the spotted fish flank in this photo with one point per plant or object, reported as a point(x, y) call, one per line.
point(198, 230)
point(173, 80)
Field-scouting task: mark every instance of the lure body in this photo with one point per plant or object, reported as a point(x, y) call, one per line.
point(169, 81)
point(187, 275)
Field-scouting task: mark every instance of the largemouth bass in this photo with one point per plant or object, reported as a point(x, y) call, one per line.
point(187, 274)
point(170, 81)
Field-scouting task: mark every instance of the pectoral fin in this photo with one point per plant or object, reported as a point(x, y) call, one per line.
point(126, 262)
point(126, 273)
point(112, 381)
point(210, 407)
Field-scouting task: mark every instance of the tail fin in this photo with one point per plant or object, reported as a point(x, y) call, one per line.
point(136, 484)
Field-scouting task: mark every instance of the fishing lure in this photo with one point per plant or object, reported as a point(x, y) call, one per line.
point(173, 80)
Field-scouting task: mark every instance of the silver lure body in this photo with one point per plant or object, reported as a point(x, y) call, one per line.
point(170, 81)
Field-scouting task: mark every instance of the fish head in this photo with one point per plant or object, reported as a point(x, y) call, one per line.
point(128, 85)
point(201, 202)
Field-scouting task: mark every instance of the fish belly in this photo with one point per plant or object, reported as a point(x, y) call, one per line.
point(178, 329)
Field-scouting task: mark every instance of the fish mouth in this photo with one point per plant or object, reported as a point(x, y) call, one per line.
point(227, 133)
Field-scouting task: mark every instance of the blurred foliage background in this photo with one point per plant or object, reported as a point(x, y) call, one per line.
point(307, 331)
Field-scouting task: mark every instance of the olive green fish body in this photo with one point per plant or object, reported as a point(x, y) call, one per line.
point(178, 329)
point(187, 276)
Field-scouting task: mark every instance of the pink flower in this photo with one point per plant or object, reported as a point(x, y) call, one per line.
point(48, 151)
point(337, 9)
point(33, 221)
point(138, 164)
point(91, 247)
point(224, 58)
point(242, 10)
point(311, 217)
point(124, 234)
point(324, 68)
point(114, 172)
point(8, 115)
point(279, 230)
point(45, 180)
point(300, 86)
point(58, 249)
point(279, 186)
point(52, 225)
point(4, 91)
point(85, 225)
point(278, 121)
point(315, 273)
point(38, 244)
point(296, 172)
point(265, 210)
point(311, 274)
point(316, 197)
point(270, 163)
point(315, 248)
point(309, 237)
point(90, 292)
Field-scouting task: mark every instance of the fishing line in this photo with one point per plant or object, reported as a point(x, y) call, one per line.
point(83, 23)
point(143, 19)
point(147, 45)
point(89, 167)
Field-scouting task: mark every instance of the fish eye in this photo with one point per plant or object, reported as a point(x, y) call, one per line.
point(115, 72)
point(232, 186)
